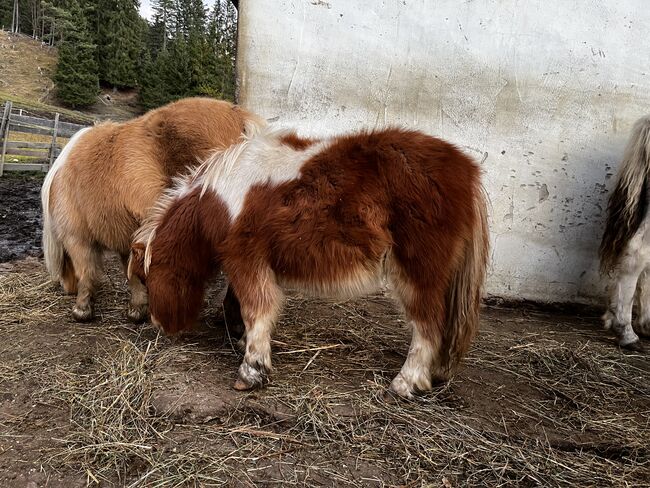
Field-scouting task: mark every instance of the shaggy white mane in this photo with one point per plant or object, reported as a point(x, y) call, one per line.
point(215, 172)
point(259, 141)
point(181, 185)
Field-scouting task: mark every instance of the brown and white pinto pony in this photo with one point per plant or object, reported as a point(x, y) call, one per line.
point(625, 247)
point(107, 177)
point(333, 218)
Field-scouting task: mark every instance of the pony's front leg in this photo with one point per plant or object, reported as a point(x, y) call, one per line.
point(619, 314)
point(261, 300)
point(138, 308)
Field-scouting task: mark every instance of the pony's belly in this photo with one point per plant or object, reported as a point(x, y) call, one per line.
point(355, 281)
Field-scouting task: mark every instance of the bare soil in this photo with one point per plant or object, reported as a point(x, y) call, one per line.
point(20, 216)
point(542, 399)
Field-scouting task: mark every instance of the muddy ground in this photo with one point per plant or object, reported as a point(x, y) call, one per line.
point(542, 399)
point(20, 214)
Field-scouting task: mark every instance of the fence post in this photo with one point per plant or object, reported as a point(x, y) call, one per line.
point(53, 147)
point(4, 133)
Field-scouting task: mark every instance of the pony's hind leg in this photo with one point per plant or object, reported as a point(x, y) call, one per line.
point(423, 360)
point(138, 307)
point(621, 298)
point(643, 324)
point(415, 375)
point(260, 300)
point(68, 280)
point(87, 262)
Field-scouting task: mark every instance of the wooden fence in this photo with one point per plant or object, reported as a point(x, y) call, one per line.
point(35, 155)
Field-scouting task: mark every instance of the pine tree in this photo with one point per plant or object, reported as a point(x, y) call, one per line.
point(191, 52)
point(164, 24)
point(76, 77)
point(222, 35)
point(119, 39)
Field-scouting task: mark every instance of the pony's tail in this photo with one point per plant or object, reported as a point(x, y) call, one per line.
point(628, 202)
point(463, 298)
point(57, 261)
point(53, 249)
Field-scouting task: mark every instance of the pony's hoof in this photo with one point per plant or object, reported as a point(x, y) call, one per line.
point(137, 313)
point(84, 314)
point(241, 385)
point(389, 397)
point(250, 377)
point(400, 387)
point(635, 346)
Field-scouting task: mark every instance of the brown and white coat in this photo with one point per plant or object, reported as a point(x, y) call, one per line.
point(331, 217)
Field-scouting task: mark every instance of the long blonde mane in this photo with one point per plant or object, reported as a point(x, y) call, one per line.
point(219, 164)
point(225, 162)
point(146, 233)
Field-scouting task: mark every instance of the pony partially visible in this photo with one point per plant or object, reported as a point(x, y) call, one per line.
point(625, 247)
point(332, 218)
point(107, 177)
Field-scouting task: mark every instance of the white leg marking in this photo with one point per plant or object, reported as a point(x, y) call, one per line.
point(415, 374)
point(623, 288)
point(254, 370)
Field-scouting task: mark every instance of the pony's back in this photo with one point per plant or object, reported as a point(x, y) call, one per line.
point(103, 187)
point(117, 171)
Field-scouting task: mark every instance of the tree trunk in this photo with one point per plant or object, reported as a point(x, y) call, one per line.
point(15, 19)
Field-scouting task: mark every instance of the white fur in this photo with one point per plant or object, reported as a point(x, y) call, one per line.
point(53, 247)
point(260, 158)
point(636, 152)
point(416, 371)
point(634, 262)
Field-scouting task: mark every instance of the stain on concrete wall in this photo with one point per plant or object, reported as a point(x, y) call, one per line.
point(549, 89)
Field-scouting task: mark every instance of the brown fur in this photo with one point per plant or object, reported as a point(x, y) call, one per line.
point(396, 202)
point(115, 173)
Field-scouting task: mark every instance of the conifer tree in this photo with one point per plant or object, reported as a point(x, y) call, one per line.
point(119, 39)
point(76, 77)
point(164, 24)
point(191, 52)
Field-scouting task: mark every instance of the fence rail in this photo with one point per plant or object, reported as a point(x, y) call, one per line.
point(37, 155)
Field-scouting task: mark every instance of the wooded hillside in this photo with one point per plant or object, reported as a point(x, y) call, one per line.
point(185, 50)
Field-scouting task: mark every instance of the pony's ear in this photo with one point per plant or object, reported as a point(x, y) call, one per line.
point(136, 261)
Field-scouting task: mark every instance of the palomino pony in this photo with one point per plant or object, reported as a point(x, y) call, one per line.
point(108, 176)
point(332, 218)
point(625, 248)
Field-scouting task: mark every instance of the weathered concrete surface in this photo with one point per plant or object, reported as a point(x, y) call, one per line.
point(547, 89)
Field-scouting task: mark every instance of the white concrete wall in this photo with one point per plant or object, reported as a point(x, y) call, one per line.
point(547, 89)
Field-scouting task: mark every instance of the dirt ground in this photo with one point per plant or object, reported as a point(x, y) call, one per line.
point(542, 399)
point(20, 214)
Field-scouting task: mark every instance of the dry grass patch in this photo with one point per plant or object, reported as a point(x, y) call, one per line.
point(538, 402)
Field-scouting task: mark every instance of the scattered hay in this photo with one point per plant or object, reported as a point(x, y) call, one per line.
point(27, 297)
point(112, 426)
point(543, 406)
